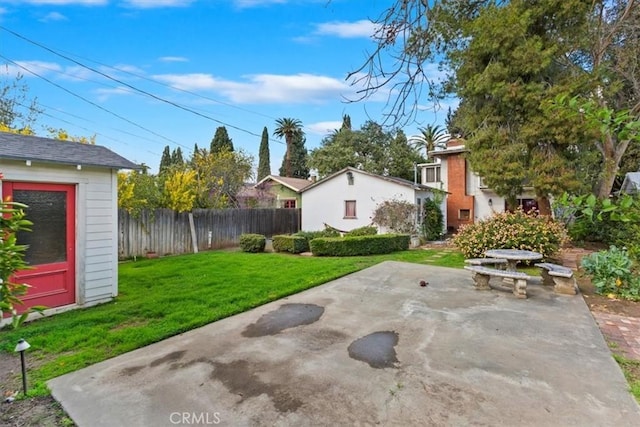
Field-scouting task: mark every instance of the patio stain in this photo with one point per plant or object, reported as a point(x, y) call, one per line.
point(169, 358)
point(285, 317)
point(238, 379)
point(376, 349)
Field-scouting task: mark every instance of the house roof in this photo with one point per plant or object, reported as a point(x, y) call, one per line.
point(295, 184)
point(399, 181)
point(631, 183)
point(34, 148)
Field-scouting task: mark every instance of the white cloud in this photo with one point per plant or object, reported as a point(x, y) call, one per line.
point(324, 128)
point(173, 59)
point(106, 93)
point(151, 4)
point(264, 88)
point(26, 68)
point(53, 16)
point(362, 28)
point(67, 2)
point(257, 3)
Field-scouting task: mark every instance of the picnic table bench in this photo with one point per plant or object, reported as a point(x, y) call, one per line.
point(558, 276)
point(481, 276)
point(487, 261)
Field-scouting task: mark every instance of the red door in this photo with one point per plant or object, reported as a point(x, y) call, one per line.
point(51, 252)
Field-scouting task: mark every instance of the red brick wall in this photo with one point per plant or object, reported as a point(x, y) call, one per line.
point(457, 188)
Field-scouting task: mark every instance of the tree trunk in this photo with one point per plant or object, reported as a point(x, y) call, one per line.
point(544, 205)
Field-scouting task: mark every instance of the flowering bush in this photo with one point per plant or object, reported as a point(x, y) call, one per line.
point(511, 230)
point(611, 272)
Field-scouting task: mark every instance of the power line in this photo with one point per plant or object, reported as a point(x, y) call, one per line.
point(144, 92)
point(92, 103)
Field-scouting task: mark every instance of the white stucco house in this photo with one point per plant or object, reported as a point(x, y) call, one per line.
point(469, 199)
point(348, 198)
point(71, 191)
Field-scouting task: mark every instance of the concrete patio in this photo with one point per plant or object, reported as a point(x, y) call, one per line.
point(370, 348)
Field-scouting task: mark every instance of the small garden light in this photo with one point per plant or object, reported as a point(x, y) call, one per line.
point(21, 347)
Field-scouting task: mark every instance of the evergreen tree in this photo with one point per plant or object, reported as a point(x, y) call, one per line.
point(346, 122)
point(298, 158)
point(176, 158)
point(165, 160)
point(264, 162)
point(221, 141)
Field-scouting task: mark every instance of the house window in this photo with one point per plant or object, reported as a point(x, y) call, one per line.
point(289, 204)
point(350, 209)
point(350, 178)
point(527, 205)
point(432, 174)
point(464, 214)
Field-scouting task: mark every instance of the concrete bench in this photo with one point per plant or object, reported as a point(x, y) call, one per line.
point(487, 261)
point(482, 275)
point(558, 276)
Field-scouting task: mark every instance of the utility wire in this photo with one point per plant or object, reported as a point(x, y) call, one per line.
point(92, 103)
point(144, 92)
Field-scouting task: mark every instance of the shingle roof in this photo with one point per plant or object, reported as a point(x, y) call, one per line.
point(296, 184)
point(34, 148)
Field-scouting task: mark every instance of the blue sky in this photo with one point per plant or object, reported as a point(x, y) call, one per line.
point(201, 64)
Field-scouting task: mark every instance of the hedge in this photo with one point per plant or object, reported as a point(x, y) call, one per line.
point(292, 244)
point(359, 245)
point(252, 242)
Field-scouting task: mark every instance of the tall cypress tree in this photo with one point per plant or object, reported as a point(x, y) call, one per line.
point(165, 160)
point(264, 163)
point(298, 160)
point(221, 141)
point(176, 157)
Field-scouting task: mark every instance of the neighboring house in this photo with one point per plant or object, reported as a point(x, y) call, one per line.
point(71, 190)
point(631, 183)
point(284, 192)
point(469, 199)
point(348, 198)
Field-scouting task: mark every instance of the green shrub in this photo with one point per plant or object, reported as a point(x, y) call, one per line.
point(290, 243)
point(252, 243)
point(511, 230)
point(310, 235)
point(368, 230)
point(359, 245)
point(611, 273)
point(432, 225)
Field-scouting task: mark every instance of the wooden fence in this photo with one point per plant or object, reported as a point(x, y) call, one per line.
point(164, 231)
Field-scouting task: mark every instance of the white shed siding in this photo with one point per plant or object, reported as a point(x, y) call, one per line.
point(96, 225)
point(325, 203)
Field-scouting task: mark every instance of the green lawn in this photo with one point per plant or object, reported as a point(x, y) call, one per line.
point(162, 297)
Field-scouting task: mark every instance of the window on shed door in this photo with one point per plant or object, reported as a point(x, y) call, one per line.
point(350, 209)
point(289, 204)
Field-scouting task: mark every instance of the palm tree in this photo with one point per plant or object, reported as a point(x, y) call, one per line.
point(433, 136)
point(288, 129)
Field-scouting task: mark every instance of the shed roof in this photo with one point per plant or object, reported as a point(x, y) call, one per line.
point(631, 183)
point(25, 147)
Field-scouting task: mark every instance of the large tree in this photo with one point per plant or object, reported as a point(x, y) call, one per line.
point(18, 112)
point(370, 148)
point(298, 159)
point(289, 129)
point(264, 157)
point(221, 141)
point(165, 160)
point(506, 60)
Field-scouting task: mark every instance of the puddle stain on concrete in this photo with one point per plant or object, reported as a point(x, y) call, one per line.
point(376, 349)
point(132, 370)
point(168, 358)
point(285, 317)
point(238, 378)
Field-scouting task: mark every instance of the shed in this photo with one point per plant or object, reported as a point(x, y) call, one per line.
point(631, 183)
point(71, 190)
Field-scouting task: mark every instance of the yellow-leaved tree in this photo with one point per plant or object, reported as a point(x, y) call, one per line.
point(180, 190)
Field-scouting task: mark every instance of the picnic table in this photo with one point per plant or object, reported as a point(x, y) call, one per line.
point(513, 256)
